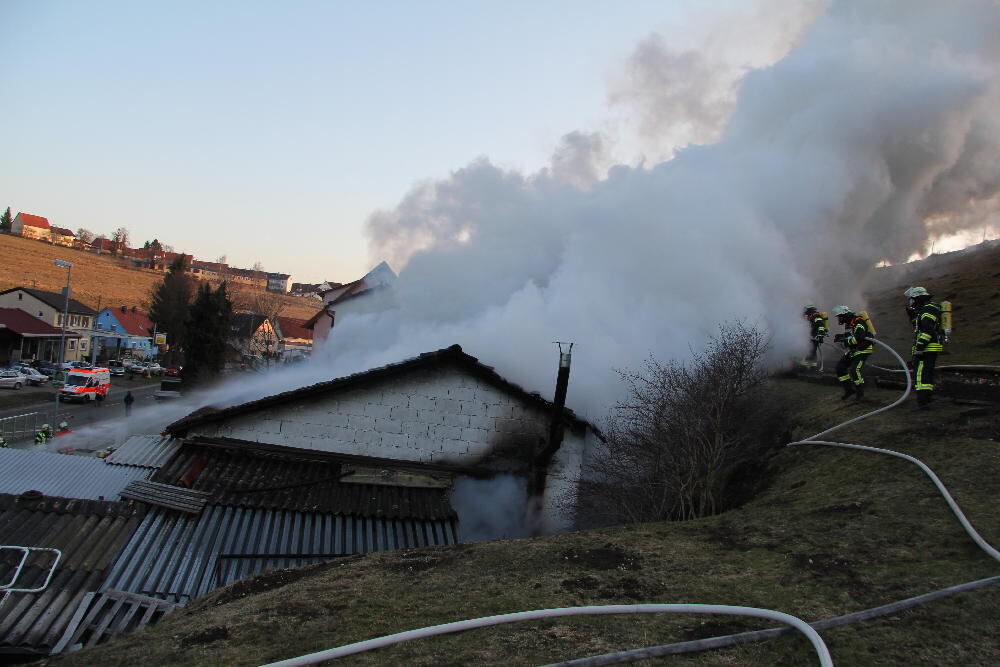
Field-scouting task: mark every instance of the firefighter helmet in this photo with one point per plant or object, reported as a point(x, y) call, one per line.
point(914, 292)
point(810, 309)
point(841, 310)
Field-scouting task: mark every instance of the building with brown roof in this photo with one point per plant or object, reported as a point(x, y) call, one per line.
point(62, 236)
point(48, 307)
point(25, 338)
point(294, 339)
point(370, 293)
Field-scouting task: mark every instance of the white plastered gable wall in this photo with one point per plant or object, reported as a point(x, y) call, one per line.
point(440, 416)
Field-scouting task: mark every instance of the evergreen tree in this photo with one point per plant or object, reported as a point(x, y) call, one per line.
point(207, 331)
point(5, 221)
point(169, 305)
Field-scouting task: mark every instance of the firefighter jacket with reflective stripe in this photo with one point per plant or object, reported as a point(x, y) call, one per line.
point(927, 329)
point(818, 324)
point(858, 340)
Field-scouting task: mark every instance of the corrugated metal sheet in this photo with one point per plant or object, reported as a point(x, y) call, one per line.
point(89, 533)
point(166, 495)
point(145, 451)
point(102, 616)
point(297, 483)
point(63, 476)
point(178, 557)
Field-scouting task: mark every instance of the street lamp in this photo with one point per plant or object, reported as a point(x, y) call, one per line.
point(62, 339)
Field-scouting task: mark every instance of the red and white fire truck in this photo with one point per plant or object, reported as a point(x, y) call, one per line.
point(86, 384)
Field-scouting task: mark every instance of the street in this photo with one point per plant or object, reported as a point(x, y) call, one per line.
point(76, 414)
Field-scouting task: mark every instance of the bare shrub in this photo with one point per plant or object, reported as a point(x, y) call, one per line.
point(675, 448)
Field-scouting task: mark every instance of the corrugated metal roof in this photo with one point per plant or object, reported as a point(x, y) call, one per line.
point(89, 533)
point(166, 495)
point(146, 451)
point(64, 476)
point(178, 557)
point(296, 482)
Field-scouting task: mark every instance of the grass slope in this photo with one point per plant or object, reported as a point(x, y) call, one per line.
point(98, 281)
point(836, 531)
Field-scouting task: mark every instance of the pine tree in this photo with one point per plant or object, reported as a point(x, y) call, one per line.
point(5, 221)
point(207, 331)
point(169, 306)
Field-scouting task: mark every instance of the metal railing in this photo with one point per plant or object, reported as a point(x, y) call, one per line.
point(22, 426)
point(8, 588)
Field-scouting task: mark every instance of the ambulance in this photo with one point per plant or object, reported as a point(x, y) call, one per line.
point(86, 384)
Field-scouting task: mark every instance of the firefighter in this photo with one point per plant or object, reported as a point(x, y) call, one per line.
point(44, 433)
point(925, 315)
point(3, 441)
point(817, 332)
point(858, 347)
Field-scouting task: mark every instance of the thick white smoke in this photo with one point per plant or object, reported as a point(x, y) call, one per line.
point(877, 129)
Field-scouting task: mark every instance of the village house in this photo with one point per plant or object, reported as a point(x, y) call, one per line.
point(368, 294)
point(122, 332)
point(252, 339)
point(23, 337)
point(294, 340)
point(31, 226)
point(48, 307)
point(62, 236)
point(442, 409)
point(279, 283)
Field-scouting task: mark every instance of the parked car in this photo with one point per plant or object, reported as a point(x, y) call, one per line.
point(12, 379)
point(46, 368)
point(70, 365)
point(173, 371)
point(154, 368)
point(116, 367)
point(35, 377)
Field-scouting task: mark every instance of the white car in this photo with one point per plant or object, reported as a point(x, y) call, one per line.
point(34, 376)
point(12, 379)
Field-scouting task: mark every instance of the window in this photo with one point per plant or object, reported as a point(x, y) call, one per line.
point(83, 346)
point(74, 320)
point(72, 344)
point(59, 319)
point(19, 296)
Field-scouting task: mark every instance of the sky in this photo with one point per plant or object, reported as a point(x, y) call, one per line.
point(535, 172)
point(271, 132)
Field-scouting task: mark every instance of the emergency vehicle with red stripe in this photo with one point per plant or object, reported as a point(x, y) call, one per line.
point(86, 384)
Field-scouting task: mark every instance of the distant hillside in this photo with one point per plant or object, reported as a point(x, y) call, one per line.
point(835, 532)
point(969, 278)
point(98, 280)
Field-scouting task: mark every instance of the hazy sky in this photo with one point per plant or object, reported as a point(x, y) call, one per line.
point(270, 131)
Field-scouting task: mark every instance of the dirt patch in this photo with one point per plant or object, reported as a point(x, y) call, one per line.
point(272, 579)
point(586, 583)
point(856, 507)
point(608, 557)
point(630, 588)
point(207, 636)
point(412, 561)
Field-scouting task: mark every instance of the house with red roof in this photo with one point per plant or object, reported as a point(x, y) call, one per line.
point(31, 226)
point(124, 331)
point(24, 337)
point(294, 340)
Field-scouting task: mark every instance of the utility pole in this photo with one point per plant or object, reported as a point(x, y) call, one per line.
point(62, 339)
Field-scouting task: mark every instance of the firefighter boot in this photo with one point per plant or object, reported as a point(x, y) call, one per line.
point(924, 400)
point(859, 393)
point(848, 389)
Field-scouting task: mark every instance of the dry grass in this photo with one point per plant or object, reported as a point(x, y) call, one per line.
point(99, 281)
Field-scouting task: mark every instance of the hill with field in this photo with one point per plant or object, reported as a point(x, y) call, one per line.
point(98, 281)
point(831, 532)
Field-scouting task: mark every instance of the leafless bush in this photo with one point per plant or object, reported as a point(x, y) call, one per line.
point(676, 446)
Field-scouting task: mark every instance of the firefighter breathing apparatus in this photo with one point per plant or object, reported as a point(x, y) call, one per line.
point(714, 642)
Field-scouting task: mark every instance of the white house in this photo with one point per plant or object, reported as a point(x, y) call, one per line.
point(443, 412)
point(369, 294)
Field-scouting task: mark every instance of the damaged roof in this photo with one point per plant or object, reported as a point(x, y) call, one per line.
point(88, 533)
point(453, 356)
point(295, 482)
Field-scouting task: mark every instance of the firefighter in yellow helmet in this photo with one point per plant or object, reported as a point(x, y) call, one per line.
point(858, 346)
point(925, 315)
point(817, 332)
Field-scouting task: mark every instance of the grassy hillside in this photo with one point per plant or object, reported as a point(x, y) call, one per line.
point(834, 532)
point(98, 280)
